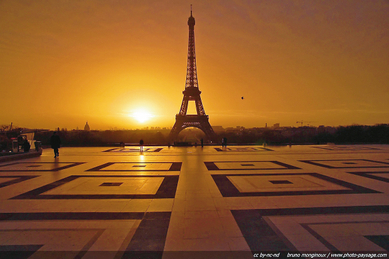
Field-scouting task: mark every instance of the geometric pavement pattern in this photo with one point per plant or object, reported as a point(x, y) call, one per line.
point(36, 166)
point(284, 184)
point(106, 187)
point(348, 163)
point(126, 150)
point(334, 231)
point(243, 149)
point(380, 176)
point(346, 147)
point(193, 202)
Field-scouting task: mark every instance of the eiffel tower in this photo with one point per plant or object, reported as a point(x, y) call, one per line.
point(192, 93)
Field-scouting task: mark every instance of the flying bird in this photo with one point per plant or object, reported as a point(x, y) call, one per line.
point(242, 97)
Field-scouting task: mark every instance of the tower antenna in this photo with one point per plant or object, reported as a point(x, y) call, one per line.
point(190, 9)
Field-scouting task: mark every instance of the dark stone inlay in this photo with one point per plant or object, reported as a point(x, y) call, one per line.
point(212, 166)
point(249, 149)
point(14, 163)
point(18, 179)
point(111, 184)
point(318, 163)
point(98, 168)
point(247, 164)
point(176, 166)
point(314, 211)
point(375, 177)
point(228, 189)
point(280, 182)
point(151, 234)
point(33, 248)
point(258, 234)
point(167, 189)
point(70, 164)
point(89, 244)
point(137, 150)
point(382, 241)
point(349, 163)
point(319, 237)
point(336, 148)
point(71, 215)
point(18, 251)
point(109, 150)
point(142, 254)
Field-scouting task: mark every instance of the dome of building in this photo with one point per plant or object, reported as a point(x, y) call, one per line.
point(87, 128)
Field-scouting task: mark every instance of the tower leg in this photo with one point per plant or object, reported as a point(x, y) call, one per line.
point(200, 122)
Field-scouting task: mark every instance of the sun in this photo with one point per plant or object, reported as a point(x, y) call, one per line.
point(141, 115)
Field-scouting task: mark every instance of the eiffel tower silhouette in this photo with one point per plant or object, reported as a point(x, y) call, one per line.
point(192, 93)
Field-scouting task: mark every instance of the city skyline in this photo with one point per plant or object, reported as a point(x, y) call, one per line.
point(123, 64)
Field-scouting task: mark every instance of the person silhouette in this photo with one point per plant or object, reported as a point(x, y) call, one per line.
point(55, 142)
point(141, 145)
point(26, 145)
point(225, 142)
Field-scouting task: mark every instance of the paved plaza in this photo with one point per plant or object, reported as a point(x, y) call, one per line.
point(193, 202)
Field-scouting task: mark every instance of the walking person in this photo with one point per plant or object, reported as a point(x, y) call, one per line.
point(26, 145)
point(225, 142)
point(141, 145)
point(55, 142)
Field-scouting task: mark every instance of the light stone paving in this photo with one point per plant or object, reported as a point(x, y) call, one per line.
point(193, 202)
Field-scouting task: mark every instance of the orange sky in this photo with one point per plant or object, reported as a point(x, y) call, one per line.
point(63, 63)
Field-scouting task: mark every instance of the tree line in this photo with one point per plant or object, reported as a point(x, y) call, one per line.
point(355, 134)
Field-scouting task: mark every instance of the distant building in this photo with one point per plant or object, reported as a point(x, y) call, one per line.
point(87, 128)
point(276, 126)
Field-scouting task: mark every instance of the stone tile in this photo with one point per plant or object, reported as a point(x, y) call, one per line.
point(207, 244)
point(198, 228)
point(331, 230)
point(201, 214)
point(161, 205)
point(199, 204)
point(307, 243)
point(239, 244)
point(351, 243)
point(135, 205)
point(231, 229)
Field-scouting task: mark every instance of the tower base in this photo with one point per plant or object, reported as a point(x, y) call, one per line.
point(197, 121)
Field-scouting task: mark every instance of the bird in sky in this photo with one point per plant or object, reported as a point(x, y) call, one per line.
point(242, 97)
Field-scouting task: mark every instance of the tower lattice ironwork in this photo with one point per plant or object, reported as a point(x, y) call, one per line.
point(192, 93)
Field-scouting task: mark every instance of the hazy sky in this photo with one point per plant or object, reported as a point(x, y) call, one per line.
point(65, 62)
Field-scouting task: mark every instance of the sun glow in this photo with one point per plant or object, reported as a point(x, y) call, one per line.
point(141, 115)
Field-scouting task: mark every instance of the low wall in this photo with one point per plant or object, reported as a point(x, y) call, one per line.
point(19, 156)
